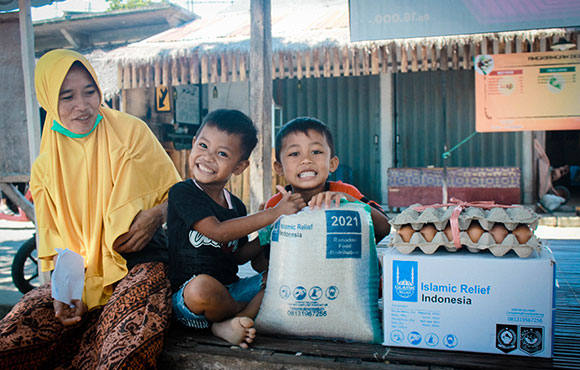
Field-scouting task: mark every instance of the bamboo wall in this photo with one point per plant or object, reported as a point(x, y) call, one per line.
point(356, 59)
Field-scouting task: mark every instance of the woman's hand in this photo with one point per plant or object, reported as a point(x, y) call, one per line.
point(142, 230)
point(67, 315)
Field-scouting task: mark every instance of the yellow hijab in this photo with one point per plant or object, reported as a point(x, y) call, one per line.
point(88, 190)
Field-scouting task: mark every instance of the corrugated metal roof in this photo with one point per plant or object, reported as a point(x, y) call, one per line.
point(296, 27)
point(310, 38)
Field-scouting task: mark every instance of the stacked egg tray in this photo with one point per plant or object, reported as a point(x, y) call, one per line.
point(498, 230)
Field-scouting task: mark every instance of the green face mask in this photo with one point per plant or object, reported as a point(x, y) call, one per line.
point(66, 132)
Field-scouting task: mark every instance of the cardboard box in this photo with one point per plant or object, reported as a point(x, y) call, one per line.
point(469, 302)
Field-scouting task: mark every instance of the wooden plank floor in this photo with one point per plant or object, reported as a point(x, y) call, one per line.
point(189, 349)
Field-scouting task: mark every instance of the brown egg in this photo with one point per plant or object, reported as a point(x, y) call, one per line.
point(474, 231)
point(406, 232)
point(499, 232)
point(448, 233)
point(428, 231)
point(522, 233)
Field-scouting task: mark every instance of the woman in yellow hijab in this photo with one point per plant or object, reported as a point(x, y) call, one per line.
point(99, 186)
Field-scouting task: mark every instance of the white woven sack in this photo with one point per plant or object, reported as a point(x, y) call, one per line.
point(323, 277)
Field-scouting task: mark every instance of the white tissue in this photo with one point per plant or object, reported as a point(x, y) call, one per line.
point(68, 277)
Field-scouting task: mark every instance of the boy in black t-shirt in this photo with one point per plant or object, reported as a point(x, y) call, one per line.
point(207, 228)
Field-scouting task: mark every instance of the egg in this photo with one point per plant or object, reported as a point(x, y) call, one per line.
point(522, 233)
point(428, 231)
point(406, 232)
point(499, 232)
point(474, 231)
point(448, 233)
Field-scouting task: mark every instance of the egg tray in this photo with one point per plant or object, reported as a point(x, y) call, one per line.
point(485, 242)
point(440, 218)
point(509, 217)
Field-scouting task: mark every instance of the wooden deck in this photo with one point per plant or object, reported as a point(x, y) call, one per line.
point(188, 349)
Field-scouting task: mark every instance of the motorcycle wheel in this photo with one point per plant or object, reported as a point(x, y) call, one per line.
point(25, 267)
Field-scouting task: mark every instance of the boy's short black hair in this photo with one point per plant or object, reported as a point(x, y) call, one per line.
point(233, 122)
point(304, 124)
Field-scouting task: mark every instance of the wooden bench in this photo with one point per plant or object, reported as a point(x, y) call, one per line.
point(190, 349)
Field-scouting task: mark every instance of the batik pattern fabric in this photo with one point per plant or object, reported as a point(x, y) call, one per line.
point(126, 333)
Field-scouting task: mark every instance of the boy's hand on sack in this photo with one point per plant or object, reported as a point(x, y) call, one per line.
point(328, 198)
point(67, 315)
point(290, 203)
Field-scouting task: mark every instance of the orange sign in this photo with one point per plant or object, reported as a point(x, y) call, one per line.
point(162, 102)
point(527, 91)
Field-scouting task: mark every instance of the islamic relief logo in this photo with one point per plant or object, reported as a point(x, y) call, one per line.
point(405, 281)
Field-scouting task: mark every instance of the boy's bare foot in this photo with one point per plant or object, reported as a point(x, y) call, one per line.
point(237, 331)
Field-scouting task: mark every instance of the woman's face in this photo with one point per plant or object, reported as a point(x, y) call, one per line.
point(78, 101)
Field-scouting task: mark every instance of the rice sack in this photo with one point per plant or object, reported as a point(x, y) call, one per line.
point(323, 277)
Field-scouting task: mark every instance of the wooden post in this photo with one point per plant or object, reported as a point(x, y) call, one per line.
point(299, 65)
point(355, 62)
point(326, 63)
point(455, 56)
point(134, 70)
point(234, 67)
point(384, 59)
point(194, 69)
point(424, 58)
point(374, 60)
point(444, 58)
point(466, 56)
point(242, 67)
point(224, 67)
point(214, 69)
point(307, 64)
point(120, 76)
point(281, 67)
point(336, 63)
point(166, 79)
point(32, 116)
point(204, 70)
point(414, 59)
point(316, 63)
point(157, 75)
point(394, 62)
point(434, 64)
point(288, 62)
point(261, 101)
point(27, 52)
point(404, 59)
point(142, 76)
point(365, 61)
point(174, 73)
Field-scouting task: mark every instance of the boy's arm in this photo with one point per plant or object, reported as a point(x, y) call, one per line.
point(380, 223)
point(248, 251)
point(239, 227)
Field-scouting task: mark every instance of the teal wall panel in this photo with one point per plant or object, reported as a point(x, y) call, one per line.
point(434, 109)
point(350, 106)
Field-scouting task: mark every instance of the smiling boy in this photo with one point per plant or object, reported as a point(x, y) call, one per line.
point(207, 228)
point(305, 157)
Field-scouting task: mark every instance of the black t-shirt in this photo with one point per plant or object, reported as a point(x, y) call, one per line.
point(154, 251)
point(191, 253)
